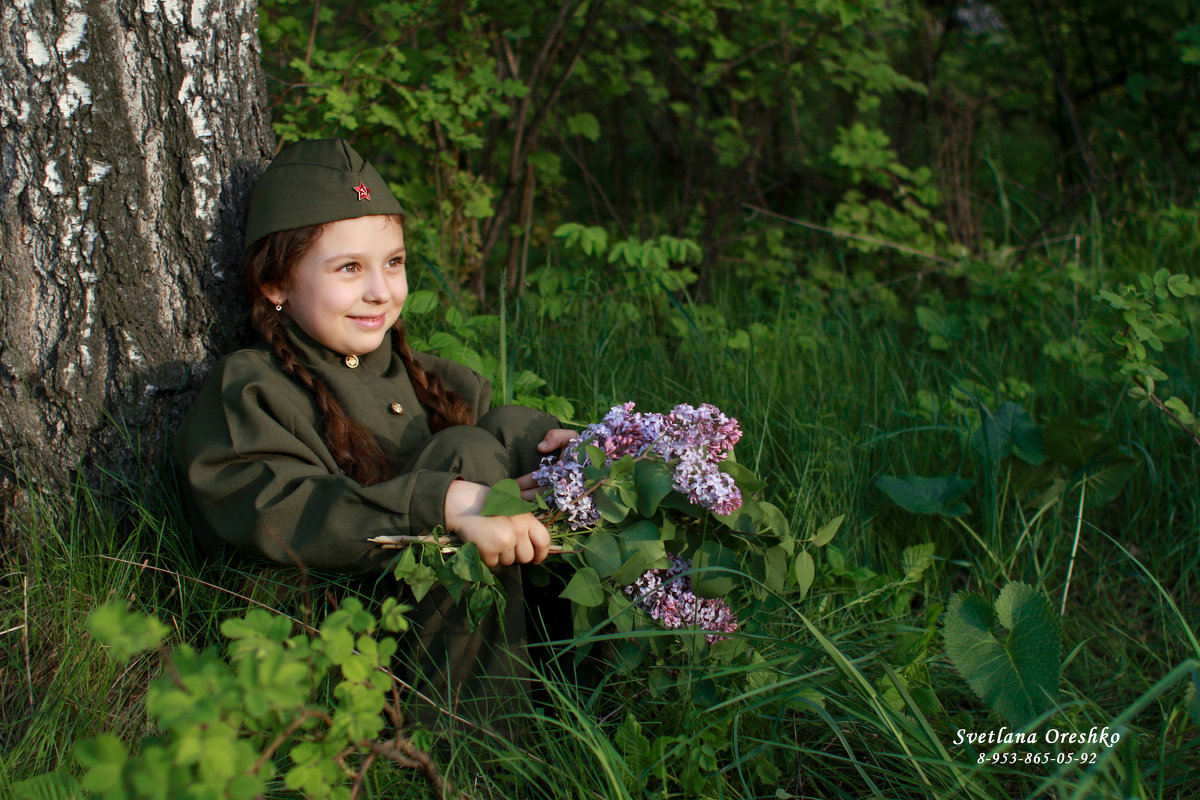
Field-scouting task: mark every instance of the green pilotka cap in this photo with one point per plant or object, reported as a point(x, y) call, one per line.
point(314, 182)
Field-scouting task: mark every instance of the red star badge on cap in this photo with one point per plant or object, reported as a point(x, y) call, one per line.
point(363, 192)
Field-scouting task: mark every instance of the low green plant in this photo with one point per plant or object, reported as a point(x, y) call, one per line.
point(1023, 471)
point(231, 724)
point(1131, 327)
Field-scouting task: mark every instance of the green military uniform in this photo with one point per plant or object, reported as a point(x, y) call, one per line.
point(259, 479)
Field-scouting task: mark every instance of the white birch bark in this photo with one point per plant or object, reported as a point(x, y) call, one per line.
point(130, 132)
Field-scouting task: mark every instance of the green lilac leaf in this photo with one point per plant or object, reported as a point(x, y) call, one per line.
point(653, 481)
point(707, 581)
point(602, 553)
point(612, 509)
point(743, 476)
point(826, 532)
point(504, 500)
point(584, 588)
point(805, 570)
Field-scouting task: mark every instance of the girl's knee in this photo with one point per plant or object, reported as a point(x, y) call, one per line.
point(517, 423)
point(519, 430)
point(472, 452)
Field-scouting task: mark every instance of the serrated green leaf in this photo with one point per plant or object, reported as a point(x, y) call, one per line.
point(1191, 698)
point(104, 759)
point(504, 500)
point(584, 125)
point(584, 588)
point(51, 786)
point(1107, 477)
point(634, 747)
point(1017, 676)
point(125, 633)
point(392, 615)
point(919, 495)
point(420, 302)
point(916, 559)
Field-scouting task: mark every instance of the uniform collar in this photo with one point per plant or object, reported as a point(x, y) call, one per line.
point(313, 352)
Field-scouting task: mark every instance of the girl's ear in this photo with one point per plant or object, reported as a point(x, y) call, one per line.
point(275, 294)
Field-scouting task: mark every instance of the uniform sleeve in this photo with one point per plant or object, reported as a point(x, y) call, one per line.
point(257, 476)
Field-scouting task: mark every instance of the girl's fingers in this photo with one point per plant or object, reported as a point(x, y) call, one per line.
point(555, 439)
point(525, 551)
point(539, 537)
point(529, 487)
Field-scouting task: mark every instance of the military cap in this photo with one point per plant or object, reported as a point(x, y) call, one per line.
point(314, 182)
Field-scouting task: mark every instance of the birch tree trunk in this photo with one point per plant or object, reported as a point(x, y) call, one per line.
point(130, 133)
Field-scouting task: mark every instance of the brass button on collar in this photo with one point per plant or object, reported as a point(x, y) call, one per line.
point(397, 408)
point(351, 361)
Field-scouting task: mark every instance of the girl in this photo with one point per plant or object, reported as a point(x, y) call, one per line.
point(331, 431)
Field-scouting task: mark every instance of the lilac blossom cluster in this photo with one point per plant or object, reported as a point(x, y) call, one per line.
point(667, 597)
point(695, 440)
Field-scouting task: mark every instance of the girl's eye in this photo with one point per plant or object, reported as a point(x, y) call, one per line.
point(396, 263)
point(351, 266)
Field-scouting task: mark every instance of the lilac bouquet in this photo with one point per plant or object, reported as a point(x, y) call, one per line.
point(645, 507)
point(694, 440)
point(638, 480)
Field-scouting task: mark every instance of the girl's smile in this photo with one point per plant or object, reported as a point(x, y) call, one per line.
point(348, 289)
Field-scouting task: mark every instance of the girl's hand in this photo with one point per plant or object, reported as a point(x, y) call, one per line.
point(521, 539)
point(555, 439)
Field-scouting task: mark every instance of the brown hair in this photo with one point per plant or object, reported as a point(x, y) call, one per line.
point(269, 262)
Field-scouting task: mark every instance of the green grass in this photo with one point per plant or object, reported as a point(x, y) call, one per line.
point(853, 696)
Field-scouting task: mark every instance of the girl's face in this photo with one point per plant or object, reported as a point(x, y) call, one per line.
point(347, 290)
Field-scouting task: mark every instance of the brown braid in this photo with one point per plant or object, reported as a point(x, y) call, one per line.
point(269, 263)
point(445, 406)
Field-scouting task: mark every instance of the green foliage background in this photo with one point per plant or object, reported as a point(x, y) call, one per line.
point(938, 258)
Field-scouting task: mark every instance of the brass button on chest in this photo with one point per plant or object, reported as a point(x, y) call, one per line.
point(351, 361)
point(397, 408)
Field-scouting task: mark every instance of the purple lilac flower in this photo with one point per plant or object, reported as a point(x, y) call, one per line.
point(667, 597)
point(695, 440)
